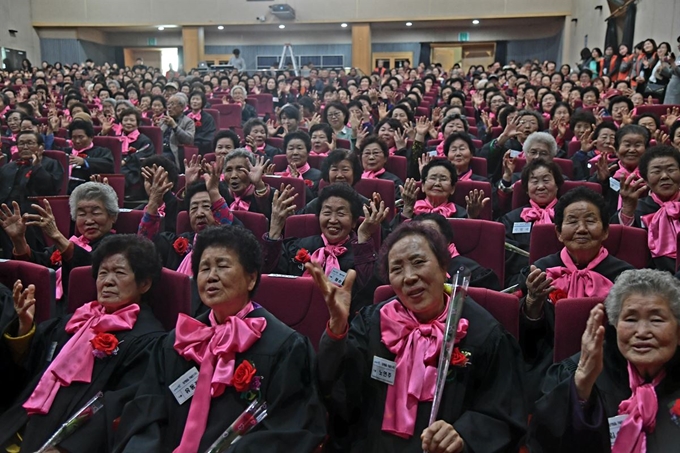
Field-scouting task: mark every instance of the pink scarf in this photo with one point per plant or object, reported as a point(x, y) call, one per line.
point(453, 250)
point(301, 171)
point(126, 140)
point(663, 226)
point(417, 347)
point(76, 361)
point(327, 256)
point(214, 348)
point(594, 160)
point(580, 282)
point(314, 153)
point(447, 209)
point(194, 116)
point(467, 176)
point(440, 150)
point(239, 204)
point(185, 266)
point(368, 174)
point(393, 150)
point(641, 409)
point(117, 129)
point(539, 215)
point(83, 243)
point(14, 149)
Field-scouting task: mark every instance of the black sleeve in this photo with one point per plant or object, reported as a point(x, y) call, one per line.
point(100, 161)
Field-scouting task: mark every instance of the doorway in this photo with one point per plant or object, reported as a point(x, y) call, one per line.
point(464, 54)
point(392, 60)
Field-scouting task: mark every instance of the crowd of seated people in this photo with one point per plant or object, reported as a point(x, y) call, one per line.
point(386, 183)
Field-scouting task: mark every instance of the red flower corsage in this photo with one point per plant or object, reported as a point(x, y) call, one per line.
point(104, 345)
point(309, 183)
point(55, 258)
point(181, 246)
point(246, 382)
point(131, 150)
point(28, 174)
point(557, 295)
point(675, 411)
point(302, 256)
point(460, 358)
point(198, 124)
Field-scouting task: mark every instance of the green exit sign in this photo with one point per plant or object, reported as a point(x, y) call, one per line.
point(151, 41)
point(463, 36)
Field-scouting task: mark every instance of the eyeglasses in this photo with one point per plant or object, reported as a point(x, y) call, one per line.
point(372, 153)
point(26, 144)
point(334, 114)
point(534, 153)
point(437, 178)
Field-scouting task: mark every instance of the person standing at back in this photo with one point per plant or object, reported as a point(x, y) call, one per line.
point(237, 62)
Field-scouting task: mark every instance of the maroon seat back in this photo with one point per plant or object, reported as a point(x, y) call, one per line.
point(573, 148)
point(316, 161)
point(190, 151)
point(117, 183)
point(625, 243)
point(61, 211)
point(503, 307)
point(305, 225)
point(657, 109)
point(128, 221)
point(155, 135)
point(230, 115)
point(253, 102)
point(482, 241)
point(571, 316)
point(253, 221)
point(276, 142)
point(215, 114)
point(265, 103)
point(30, 273)
point(520, 197)
point(210, 157)
point(343, 144)
point(281, 162)
point(479, 166)
point(114, 144)
point(295, 301)
point(62, 158)
point(566, 165)
point(170, 296)
point(397, 165)
point(299, 187)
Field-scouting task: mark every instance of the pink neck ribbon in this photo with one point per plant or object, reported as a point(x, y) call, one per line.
point(185, 266)
point(539, 215)
point(467, 176)
point(126, 140)
point(301, 171)
point(327, 256)
point(447, 209)
point(369, 174)
point(239, 204)
point(580, 282)
point(663, 226)
point(83, 243)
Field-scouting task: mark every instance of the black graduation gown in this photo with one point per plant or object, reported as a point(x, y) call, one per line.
point(387, 176)
point(483, 401)
point(647, 206)
point(18, 182)
point(481, 276)
point(99, 161)
point(262, 205)
point(7, 312)
point(296, 420)
point(559, 425)
point(514, 263)
point(134, 185)
point(205, 133)
point(536, 338)
point(117, 376)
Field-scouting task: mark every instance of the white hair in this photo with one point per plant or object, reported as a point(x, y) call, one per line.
point(541, 137)
point(644, 282)
point(94, 191)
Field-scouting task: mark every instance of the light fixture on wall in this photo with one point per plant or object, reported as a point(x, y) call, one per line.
point(343, 25)
point(475, 22)
point(408, 24)
point(599, 7)
point(574, 20)
point(161, 28)
point(220, 27)
point(282, 26)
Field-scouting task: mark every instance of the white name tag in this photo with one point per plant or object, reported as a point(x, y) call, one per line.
point(383, 370)
point(50, 352)
point(615, 425)
point(521, 227)
point(184, 387)
point(514, 153)
point(432, 153)
point(274, 99)
point(614, 184)
point(337, 276)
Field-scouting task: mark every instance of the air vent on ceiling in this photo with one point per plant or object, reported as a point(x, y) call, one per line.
point(283, 11)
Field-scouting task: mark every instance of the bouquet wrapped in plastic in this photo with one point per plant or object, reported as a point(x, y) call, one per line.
point(80, 418)
point(253, 415)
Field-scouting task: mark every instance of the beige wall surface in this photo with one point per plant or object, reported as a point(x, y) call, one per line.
point(203, 12)
point(16, 15)
point(591, 22)
point(659, 20)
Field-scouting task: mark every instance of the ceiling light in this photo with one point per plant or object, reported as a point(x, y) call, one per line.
point(221, 27)
point(282, 26)
point(343, 25)
point(408, 24)
point(475, 22)
point(161, 28)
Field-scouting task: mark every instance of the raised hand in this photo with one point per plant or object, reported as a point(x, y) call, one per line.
point(24, 306)
point(250, 144)
point(423, 160)
point(355, 121)
point(382, 111)
point(475, 203)
point(627, 118)
point(632, 189)
point(587, 141)
point(422, 128)
point(316, 119)
point(661, 137)
point(539, 286)
point(603, 168)
point(436, 115)
point(591, 362)
point(338, 299)
point(272, 127)
point(373, 217)
point(671, 116)
point(12, 222)
point(512, 128)
point(400, 139)
point(486, 120)
point(256, 171)
point(292, 169)
point(192, 169)
point(99, 179)
point(361, 136)
point(283, 206)
point(477, 100)
point(45, 220)
point(333, 143)
point(508, 166)
point(409, 193)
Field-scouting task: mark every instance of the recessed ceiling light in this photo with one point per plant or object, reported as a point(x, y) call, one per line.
point(475, 22)
point(343, 25)
point(408, 24)
point(282, 26)
point(161, 28)
point(221, 27)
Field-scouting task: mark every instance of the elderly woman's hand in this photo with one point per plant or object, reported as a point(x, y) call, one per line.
point(475, 203)
point(159, 186)
point(508, 166)
point(192, 169)
point(47, 223)
point(441, 437)
point(632, 188)
point(373, 217)
point(283, 206)
point(591, 362)
point(12, 222)
point(539, 286)
point(338, 299)
point(99, 179)
point(24, 306)
point(211, 176)
point(409, 192)
point(256, 171)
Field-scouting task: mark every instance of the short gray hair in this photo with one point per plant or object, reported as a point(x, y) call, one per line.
point(643, 282)
point(239, 87)
point(181, 98)
point(109, 101)
point(239, 152)
point(94, 191)
point(541, 137)
point(128, 104)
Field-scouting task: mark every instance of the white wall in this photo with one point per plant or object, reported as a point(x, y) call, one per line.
point(591, 22)
point(16, 15)
point(659, 20)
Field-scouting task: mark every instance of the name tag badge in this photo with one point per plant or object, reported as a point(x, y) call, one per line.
point(184, 387)
point(337, 276)
point(514, 153)
point(521, 227)
point(614, 184)
point(432, 153)
point(383, 370)
point(615, 425)
point(275, 99)
point(50, 352)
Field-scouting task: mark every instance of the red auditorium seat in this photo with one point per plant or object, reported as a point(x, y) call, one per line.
point(128, 221)
point(625, 243)
point(304, 225)
point(571, 316)
point(316, 161)
point(397, 165)
point(479, 166)
point(230, 115)
point(114, 144)
point(62, 158)
point(253, 221)
point(190, 151)
point(573, 148)
point(520, 198)
point(256, 105)
point(30, 273)
point(210, 157)
point(658, 109)
point(117, 182)
point(366, 187)
point(215, 114)
point(299, 187)
point(343, 144)
point(265, 103)
point(276, 142)
point(169, 297)
point(155, 135)
point(482, 241)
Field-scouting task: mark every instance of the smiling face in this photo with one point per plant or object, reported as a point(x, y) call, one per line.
point(236, 174)
point(460, 155)
point(416, 277)
point(335, 118)
point(400, 115)
point(335, 219)
point(196, 103)
point(605, 141)
point(542, 186)
point(647, 332)
point(372, 158)
point(561, 114)
point(548, 101)
point(386, 134)
point(296, 152)
point(319, 142)
point(663, 177)
point(129, 123)
point(589, 99)
point(438, 186)
point(224, 146)
point(341, 172)
point(648, 123)
point(222, 280)
point(14, 122)
point(631, 149)
point(93, 220)
point(453, 126)
point(582, 231)
point(116, 285)
point(619, 110)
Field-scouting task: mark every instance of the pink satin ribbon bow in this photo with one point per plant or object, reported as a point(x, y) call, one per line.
point(239, 204)
point(185, 266)
point(327, 256)
point(539, 215)
point(663, 226)
point(300, 171)
point(580, 282)
point(83, 243)
point(447, 209)
point(126, 140)
point(368, 174)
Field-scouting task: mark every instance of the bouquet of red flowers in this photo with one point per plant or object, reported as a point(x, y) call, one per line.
point(81, 417)
point(253, 415)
